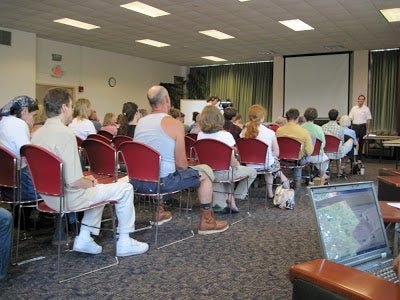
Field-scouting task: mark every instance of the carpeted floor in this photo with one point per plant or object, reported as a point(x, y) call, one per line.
point(249, 261)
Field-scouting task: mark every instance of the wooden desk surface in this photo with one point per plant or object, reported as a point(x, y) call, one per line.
point(392, 143)
point(382, 137)
point(344, 280)
point(390, 180)
point(389, 213)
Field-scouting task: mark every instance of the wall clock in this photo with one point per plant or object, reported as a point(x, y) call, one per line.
point(112, 81)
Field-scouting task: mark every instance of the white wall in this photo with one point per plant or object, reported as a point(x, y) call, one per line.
point(91, 68)
point(17, 66)
point(277, 88)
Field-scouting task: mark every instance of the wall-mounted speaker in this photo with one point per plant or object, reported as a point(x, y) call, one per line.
point(5, 37)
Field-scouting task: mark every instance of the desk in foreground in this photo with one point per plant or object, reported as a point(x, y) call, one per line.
point(344, 281)
point(396, 145)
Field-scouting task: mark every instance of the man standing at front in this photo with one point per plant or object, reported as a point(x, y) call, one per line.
point(360, 116)
point(80, 191)
point(166, 135)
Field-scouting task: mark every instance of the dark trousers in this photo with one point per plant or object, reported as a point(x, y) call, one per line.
point(361, 131)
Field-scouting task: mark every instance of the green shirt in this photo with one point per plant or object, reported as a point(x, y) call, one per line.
point(315, 132)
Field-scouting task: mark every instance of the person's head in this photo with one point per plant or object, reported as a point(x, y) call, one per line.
point(194, 115)
point(213, 100)
point(93, 116)
point(143, 112)
point(360, 100)
point(229, 113)
point(58, 102)
point(174, 112)
point(82, 109)
point(109, 119)
point(23, 107)
point(333, 114)
point(301, 120)
point(181, 117)
point(280, 121)
point(129, 110)
point(211, 119)
point(237, 118)
point(345, 121)
point(310, 114)
point(292, 114)
point(40, 116)
point(159, 98)
point(255, 117)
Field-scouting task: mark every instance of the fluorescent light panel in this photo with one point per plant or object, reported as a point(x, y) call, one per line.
point(145, 9)
point(75, 23)
point(217, 34)
point(153, 43)
point(213, 58)
point(391, 14)
point(243, 0)
point(296, 25)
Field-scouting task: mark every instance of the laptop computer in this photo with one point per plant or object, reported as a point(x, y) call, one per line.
point(351, 228)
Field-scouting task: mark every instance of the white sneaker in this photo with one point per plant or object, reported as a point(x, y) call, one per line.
point(86, 246)
point(131, 247)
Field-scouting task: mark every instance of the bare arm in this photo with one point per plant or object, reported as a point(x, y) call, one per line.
point(84, 183)
point(175, 130)
point(275, 147)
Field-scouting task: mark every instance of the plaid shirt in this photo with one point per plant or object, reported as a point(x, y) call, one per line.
point(334, 129)
point(233, 129)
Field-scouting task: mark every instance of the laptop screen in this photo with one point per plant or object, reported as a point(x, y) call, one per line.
point(349, 221)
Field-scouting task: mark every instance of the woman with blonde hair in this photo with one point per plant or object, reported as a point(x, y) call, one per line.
point(110, 124)
point(255, 129)
point(212, 127)
point(81, 125)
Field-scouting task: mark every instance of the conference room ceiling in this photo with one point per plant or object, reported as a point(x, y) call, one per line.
point(340, 25)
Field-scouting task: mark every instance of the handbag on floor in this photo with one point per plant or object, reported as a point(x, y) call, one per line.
point(284, 198)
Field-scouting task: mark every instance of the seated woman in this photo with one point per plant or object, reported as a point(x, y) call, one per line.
point(345, 122)
point(81, 125)
point(16, 120)
point(255, 129)
point(39, 119)
point(130, 118)
point(110, 124)
point(211, 125)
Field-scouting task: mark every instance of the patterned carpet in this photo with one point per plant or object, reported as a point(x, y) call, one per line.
point(249, 261)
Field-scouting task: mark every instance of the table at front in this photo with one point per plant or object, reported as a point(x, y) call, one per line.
point(380, 139)
point(396, 145)
point(391, 215)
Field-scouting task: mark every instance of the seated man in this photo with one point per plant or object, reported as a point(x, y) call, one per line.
point(5, 240)
point(82, 191)
point(166, 135)
point(333, 128)
point(295, 131)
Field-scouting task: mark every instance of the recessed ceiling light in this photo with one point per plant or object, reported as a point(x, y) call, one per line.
point(217, 34)
point(145, 9)
point(76, 23)
point(153, 43)
point(296, 25)
point(243, 0)
point(213, 58)
point(391, 14)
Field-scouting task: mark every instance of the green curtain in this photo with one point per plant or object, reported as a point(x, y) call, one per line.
point(383, 90)
point(244, 84)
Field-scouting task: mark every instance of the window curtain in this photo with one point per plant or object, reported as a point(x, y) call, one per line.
point(384, 83)
point(244, 84)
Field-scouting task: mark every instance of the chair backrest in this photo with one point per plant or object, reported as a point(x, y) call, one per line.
point(192, 135)
point(79, 141)
point(289, 148)
point(46, 170)
point(142, 162)
point(317, 147)
point(118, 140)
point(189, 142)
point(101, 156)
point(106, 134)
point(252, 151)
point(8, 169)
point(217, 155)
point(332, 144)
point(99, 137)
point(273, 127)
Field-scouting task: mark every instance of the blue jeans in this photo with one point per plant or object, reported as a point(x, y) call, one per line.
point(6, 225)
point(27, 189)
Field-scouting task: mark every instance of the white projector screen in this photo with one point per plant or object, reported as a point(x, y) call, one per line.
point(320, 81)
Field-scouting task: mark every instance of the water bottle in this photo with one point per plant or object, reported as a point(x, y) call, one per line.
point(362, 169)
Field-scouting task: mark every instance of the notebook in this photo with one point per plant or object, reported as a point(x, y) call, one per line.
point(350, 225)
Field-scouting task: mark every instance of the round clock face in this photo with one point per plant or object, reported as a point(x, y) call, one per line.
point(112, 81)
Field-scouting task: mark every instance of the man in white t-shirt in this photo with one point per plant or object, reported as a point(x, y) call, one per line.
point(360, 116)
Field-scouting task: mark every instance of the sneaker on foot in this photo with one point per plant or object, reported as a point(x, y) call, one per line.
point(131, 247)
point(86, 246)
